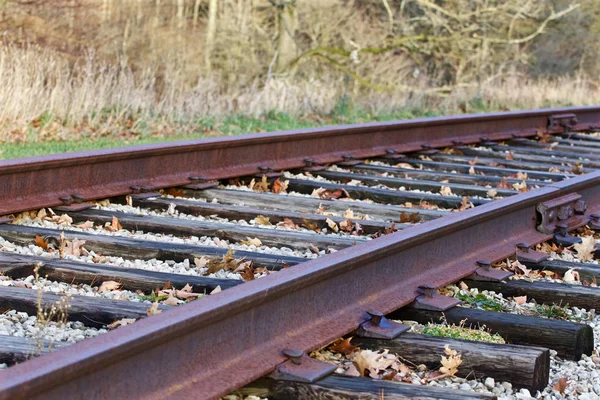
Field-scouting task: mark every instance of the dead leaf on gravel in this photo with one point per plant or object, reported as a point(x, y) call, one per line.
point(474, 161)
point(352, 371)
point(561, 385)
point(228, 263)
point(509, 156)
point(248, 273)
point(216, 290)
point(471, 170)
point(288, 223)
point(446, 191)
point(114, 225)
point(121, 322)
point(201, 262)
point(369, 363)
point(554, 169)
point(465, 204)
point(521, 175)
point(279, 186)
point(521, 187)
point(344, 347)
point(252, 242)
point(332, 225)
point(171, 300)
point(585, 249)
point(503, 184)
point(74, 247)
point(41, 214)
point(346, 226)
point(571, 276)
point(404, 165)
point(492, 193)
point(153, 309)
point(108, 285)
point(520, 299)
point(310, 225)
point(262, 186)
point(412, 218)
point(85, 225)
point(40, 242)
point(349, 214)
point(262, 220)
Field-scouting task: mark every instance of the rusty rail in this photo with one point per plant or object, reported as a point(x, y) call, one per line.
point(205, 349)
point(41, 181)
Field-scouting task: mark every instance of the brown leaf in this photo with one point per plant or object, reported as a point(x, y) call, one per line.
point(343, 347)
point(521, 175)
point(554, 169)
point(446, 191)
point(40, 242)
point(520, 299)
point(521, 187)
point(346, 226)
point(492, 193)
point(114, 225)
point(389, 376)
point(509, 156)
point(227, 263)
point(311, 225)
point(216, 290)
point(465, 204)
point(561, 385)
point(252, 242)
point(108, 285)
point(85, 225)
point(174, 192)
point(262, 186)
point(166, 285)
point(471, 170)
point(171, 300)
point(474, 161)
point(153, 309)
point(201, 262)
point(571, 276)
point(74, 247)
point(332, 225)
point(262, 220)
point(503, 184)
point(120, 322)
point(288, 223)
point(412, 218)
point(279, 187)
point(349, 214)
point(404, 165)
point(451, 363)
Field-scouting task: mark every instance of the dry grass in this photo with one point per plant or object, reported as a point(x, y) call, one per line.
point(40, 88)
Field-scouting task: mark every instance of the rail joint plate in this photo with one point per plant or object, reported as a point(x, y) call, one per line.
point(567, 210)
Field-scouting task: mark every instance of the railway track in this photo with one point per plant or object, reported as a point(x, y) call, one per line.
point(196, 269)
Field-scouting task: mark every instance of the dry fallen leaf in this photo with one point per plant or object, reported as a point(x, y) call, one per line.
point(509, 156)
point(521, 175)
point(171, 300)
point(262, 186)
point(404, 165)
point(153, 309)
point(288, 223)
point(332, 225)
point(216, 290)
point(252, 242)
point(521, 187)
point(343, 347)
point(114, 225)
point(503, 184)
point(108, 285)
point(349, 214)
point(412, 218)
point(474, 161)
point(571, 276)
point(368, 362)
point(40, 242)
point(471, 170)
point(585, 249)
point(74, 247)
point(465, 204)
point(120, 322)
point(520, 299)
point(227, 263)
point(85, 225)
point(492, 193)
point(346, 226)
point(262, 220)
point(279, 187)
point(451, 363)
point(201, 262)
point(446, 191)
point(561, 385)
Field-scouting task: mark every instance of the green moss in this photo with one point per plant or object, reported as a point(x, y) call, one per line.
point(460, 332)
point(482, 301)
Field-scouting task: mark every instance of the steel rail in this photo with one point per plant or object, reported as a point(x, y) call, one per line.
point(40, 181)
point(207, 348)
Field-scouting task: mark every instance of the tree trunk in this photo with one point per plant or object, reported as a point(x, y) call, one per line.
point(210, 32)
point(287, 22)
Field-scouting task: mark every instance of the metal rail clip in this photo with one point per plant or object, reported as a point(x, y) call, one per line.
point(567, 210)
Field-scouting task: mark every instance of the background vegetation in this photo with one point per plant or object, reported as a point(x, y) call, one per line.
point(92, 73)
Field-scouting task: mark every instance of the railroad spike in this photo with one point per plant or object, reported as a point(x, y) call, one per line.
point(485, 272)
point(378, 326)
point(562, 236)
point(430, 299)
point(524, 253)
point(301, 368)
